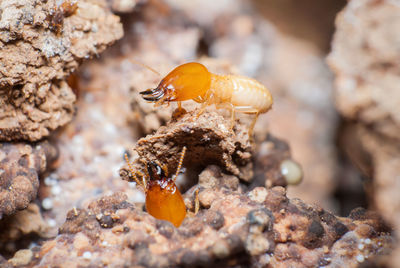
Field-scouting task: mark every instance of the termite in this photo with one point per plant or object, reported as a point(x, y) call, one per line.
point(66, 9)
point(193, 81)
point(163, 199)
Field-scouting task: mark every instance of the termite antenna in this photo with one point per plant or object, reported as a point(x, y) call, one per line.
point(145, 66)
point(180, 163)
point(196, 201)
point(133, 173)
point(144, 176)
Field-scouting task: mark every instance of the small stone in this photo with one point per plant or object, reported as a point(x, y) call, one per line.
point(258, 194)
point(265, 259)
point(47, 203)
point(49, 181)
point(291, 171)
point(21, 167)
point(81, 241)
point(360, 258)
point(206, 197)
point(165, 228)
point(215, 219)
point(106, 221)
point(261, 217)
point(256, 244)
point(87, 255)
point(56, 190)
point(21, 257)
point(52, 223)
point(221, 249)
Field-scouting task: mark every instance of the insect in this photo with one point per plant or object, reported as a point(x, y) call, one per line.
point(163, 199)
point(193, 81)
point(66, 9)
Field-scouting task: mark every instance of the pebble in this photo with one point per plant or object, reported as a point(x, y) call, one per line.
point(56, 190)
point(47, 203)
point(22, 257)
point(258, 194)
point(291, 171)
point(52, 223)
point(87, 255)
point(360, 258)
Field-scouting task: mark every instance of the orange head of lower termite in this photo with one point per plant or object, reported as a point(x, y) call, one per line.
point(185, 82)
point(163, 199)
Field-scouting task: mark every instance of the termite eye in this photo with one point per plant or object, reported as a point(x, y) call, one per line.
point(155, 171)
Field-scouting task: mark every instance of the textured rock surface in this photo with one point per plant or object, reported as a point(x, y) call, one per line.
point(20, 227)
point(366, 65)
point(384, 158)
point(208, 139)
point(236, 228)
point(238, 224)
point(364, 58)
point(268, 158)
point(92, 146)
point(20, 167)
point(41, 45)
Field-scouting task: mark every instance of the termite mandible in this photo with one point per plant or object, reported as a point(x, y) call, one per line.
point(193, 81)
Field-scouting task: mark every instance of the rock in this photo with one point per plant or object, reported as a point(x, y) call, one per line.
point(208, 139)
point(21, 257)
point(366, 72)
point(368, 97)
point(41, 45)
point(20, 167)
point(17, 228)
point(287, 230)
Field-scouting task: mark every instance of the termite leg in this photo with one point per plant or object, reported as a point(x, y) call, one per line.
point(180, 163)
point(232, 115)
point(196, 201)
point(232, 111)
point(202, 108)
point(198, 99)
point(204, 105)
point(253, 123)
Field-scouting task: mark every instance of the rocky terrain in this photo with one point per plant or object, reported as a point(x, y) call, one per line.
point(289, 196)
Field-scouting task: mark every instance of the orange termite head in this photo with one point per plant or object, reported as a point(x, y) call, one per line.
point(163, 199)
point(185, 82)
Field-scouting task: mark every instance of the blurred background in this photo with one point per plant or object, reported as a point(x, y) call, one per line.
point(332, 67)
